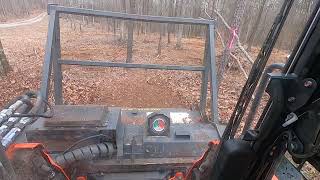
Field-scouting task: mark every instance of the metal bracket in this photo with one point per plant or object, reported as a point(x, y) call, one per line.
point(297, 91)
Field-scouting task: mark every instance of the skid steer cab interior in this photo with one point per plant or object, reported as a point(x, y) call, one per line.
point(44, 141)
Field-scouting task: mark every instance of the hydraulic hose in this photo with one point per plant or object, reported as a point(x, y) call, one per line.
point(8, 111)
point(15, 104)
point(22, 123)
point(90, 152)
point(7, 125)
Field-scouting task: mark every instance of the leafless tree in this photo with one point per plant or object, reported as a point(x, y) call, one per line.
point(180, 11)
point(123, 27)
point(4, 65)
point(253, 27)
point(130, 32)
point(237, 17)
point(162, 29)
point(253, 31)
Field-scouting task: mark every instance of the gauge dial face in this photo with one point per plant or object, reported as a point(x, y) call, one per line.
point(159, 125)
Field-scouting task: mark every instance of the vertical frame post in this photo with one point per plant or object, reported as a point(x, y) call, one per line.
point(205, 77)
point(47, 66)
point(213, 87)
point(57, 73)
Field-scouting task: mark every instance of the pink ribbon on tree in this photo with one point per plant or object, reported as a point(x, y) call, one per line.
point(234, 34)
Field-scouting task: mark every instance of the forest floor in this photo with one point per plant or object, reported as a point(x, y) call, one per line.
point(24, 48)
point(16, 18)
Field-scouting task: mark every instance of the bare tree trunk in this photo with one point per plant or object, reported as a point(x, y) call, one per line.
point(168, 29)
point(308, 9)
point(122, 26)
point(4, 65)
point(256, 24)
point(179, 36)
point(160, 41)
point(237, 17)
point(162, 31)
point(92, 9)
point(130, 33)
point(170, 26)
point(114, 29)
point(2, 8)
point(179, 12)
point(84, 18)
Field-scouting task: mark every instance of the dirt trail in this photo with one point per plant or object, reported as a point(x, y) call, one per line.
point(115, 87)
point(36, 19)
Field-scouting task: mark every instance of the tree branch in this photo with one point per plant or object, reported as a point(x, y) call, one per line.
point(232, 55)
point(237, 37)
point(220, 37)
point(238, 42)
point(240, 65)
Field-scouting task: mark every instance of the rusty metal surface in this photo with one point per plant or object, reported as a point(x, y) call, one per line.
point(138, 165)
point(150, 175)
point(188, 136)
point(286, 170)
point(137, 143)
point(58, 137)
point(138, 116)
point(127, 128)
point(69, 116)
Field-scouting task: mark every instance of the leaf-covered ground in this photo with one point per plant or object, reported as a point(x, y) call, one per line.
point(24, 47)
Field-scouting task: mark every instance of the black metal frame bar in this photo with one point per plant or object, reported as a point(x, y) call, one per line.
point(130, 65)
point(53, 61)
point(125, 16)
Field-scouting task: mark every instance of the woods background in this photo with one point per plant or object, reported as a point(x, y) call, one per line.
point(255, 24)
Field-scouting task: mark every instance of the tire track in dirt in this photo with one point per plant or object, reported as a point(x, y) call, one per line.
point(36, 19)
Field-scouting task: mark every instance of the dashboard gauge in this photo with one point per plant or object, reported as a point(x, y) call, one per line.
point(158, 124)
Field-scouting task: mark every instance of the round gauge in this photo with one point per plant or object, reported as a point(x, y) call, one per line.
point(158, 125)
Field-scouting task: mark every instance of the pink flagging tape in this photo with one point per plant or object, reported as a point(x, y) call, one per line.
point(234, 34)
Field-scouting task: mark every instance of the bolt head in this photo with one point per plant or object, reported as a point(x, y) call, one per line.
point(291, 99)
point(308, 84)
point(52, 175)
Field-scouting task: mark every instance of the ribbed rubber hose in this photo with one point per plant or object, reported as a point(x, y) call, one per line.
point(90, 152)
